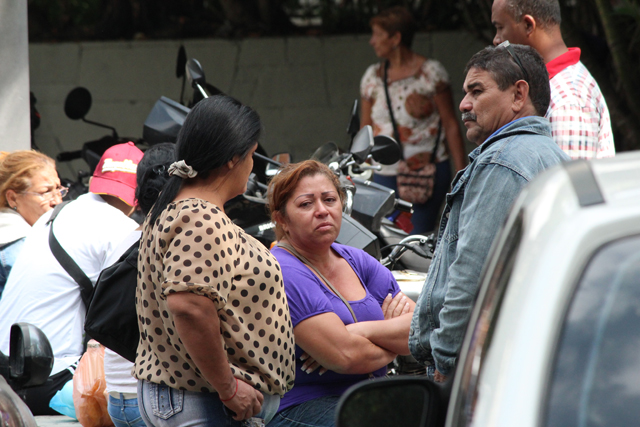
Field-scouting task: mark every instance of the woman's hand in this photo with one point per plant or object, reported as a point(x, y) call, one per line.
point(393, 307)
point(438, 377)
point(310, 364)
point(246, 402)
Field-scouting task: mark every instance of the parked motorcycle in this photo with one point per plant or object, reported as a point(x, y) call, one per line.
point(76, 106)
point(368, 204)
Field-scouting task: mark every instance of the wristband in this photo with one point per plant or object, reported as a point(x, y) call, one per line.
point(233, 395)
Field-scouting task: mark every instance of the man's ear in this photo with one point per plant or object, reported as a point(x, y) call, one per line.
point(530, 24)
point(520, 95)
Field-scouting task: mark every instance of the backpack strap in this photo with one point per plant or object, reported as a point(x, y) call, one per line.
point(69, 265)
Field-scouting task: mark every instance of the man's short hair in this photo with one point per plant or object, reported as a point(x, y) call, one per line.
point(505, 71)
point(545, 12)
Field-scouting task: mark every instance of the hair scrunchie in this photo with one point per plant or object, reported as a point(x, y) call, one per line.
point(182, 170)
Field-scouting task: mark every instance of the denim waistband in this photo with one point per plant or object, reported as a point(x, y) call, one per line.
point(125, 396)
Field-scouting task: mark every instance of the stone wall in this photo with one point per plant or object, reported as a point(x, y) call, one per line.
point(303, 88)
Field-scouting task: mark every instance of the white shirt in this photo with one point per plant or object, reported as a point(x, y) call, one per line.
point(39, 291)
point(12, 226)
point(117, 369)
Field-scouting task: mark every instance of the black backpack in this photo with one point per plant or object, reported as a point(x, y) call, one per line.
point(111, 318)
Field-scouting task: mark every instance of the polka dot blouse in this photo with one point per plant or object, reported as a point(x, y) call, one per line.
point(194, 247)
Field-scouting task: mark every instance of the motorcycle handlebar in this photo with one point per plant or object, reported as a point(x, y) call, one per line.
point(266, 159)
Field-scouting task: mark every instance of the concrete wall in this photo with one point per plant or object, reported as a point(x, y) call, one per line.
point(303, 88)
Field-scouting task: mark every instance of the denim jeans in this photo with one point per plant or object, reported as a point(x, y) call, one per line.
point(425, 216)
point(163, 406)
point(124, 412)
point(320, 412)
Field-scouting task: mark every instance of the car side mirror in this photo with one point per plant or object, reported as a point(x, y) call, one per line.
point(391, 402)
point(30, 356)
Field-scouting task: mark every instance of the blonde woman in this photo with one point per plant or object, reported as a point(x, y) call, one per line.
point(29, 187)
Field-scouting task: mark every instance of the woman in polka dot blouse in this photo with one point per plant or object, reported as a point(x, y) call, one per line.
point(216, 342)
point(306, 203)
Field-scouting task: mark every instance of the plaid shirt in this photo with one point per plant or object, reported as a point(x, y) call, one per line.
point(578, 113)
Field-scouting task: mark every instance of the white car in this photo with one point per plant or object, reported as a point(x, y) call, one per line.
point(554, 336)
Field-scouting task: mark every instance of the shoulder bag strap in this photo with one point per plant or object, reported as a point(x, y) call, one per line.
point(69, 265)
point(435, 147)
point(396, 134)
point(306, 262)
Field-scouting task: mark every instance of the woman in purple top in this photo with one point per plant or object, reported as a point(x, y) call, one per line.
point(333, 351)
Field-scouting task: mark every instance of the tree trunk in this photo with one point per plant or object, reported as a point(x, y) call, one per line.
point(619, 53)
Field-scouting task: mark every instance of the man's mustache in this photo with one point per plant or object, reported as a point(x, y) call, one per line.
point(468, 116)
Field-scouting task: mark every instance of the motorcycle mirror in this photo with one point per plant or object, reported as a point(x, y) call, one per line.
point(362, 144)
point(181, 62)
point(271, 169)
point(30, 356)
point(391, 402)
point(354, 121)
point(195, 73)
point(385, 150)
point(78, 103)
point(326, 153)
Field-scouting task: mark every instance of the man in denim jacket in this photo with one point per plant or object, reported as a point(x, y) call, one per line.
point(506, 96)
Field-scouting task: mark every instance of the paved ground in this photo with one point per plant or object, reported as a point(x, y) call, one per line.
point(56, 421)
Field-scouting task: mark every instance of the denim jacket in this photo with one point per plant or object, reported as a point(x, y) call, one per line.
point(475, 210)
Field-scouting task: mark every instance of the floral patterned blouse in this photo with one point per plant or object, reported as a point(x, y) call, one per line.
point(417, 134)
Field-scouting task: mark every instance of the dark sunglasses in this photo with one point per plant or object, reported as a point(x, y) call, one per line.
point(505, 44)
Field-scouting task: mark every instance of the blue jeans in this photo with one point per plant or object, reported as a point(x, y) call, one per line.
point(124, 412)
point(163, 406)
point(320, 412)
point(425, 216)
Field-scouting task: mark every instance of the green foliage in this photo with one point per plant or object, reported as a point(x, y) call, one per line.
point(51, 19)
point(125, 19)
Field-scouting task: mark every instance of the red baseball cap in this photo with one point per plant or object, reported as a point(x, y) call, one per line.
point(115, 175)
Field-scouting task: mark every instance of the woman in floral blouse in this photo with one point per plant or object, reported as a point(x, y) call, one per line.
point(421, 100)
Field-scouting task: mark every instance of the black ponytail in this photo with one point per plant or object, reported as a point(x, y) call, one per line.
point(215, 130)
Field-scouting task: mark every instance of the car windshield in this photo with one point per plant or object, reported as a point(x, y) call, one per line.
point(596, 376)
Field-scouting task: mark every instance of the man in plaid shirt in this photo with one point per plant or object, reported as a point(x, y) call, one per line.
point(578, 113)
